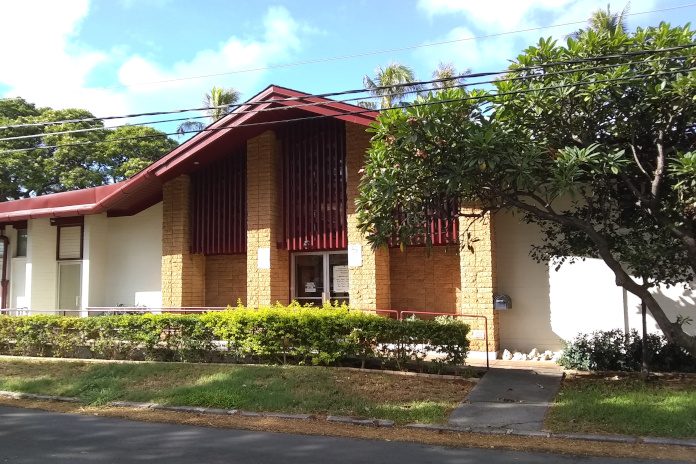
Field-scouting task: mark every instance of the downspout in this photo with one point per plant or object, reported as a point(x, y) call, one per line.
point(4, 283)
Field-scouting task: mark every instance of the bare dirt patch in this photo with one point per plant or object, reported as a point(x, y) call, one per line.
point(402, 389)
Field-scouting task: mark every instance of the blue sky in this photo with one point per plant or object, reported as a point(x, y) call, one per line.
point(110, 56)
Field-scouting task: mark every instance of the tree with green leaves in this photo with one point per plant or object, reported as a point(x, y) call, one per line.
point(391, 84)
point(94, 156)
point(602, 157)
point(219, 102)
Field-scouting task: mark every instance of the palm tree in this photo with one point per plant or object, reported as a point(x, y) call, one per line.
point(605, 21)
point(613, 23)
point(219, 102)
point(449, 72)
point(391, 84)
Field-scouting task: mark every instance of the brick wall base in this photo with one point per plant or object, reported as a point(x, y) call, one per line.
point(183, 273)
point(225, 280)
point(425, 281)
point(478, 276)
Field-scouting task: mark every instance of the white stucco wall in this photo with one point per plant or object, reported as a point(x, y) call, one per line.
point(549, 306)
point(42, 270)
point(95, 261)
point(133, 259)
point(121, 265)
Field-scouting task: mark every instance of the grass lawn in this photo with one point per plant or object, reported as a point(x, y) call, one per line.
point(297, 389)
point(664, 407)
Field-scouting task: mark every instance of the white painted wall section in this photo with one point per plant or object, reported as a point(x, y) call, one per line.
point(133, 264)
point(95, 261)
point(42, 269)
point(549, 306)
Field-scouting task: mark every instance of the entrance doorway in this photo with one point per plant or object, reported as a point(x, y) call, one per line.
point(319, 276)
point(69, 288)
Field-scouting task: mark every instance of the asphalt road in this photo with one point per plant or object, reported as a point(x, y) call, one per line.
point(31, 436)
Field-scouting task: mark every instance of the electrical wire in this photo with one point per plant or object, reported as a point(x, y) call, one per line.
point(363, 90)
point(461, 85)
point(413, 105)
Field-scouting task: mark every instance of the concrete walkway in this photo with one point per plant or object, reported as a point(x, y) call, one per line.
point(509, 399)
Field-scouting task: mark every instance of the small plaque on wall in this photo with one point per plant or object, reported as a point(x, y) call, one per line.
point(354, 255)
point(264, 259)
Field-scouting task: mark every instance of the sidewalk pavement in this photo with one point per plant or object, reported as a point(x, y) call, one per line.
point(508, 398)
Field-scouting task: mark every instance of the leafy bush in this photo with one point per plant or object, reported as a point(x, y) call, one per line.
point(277, 334)
point(614, 351)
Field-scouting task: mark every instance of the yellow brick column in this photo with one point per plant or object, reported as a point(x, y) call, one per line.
point(266, 285)
point(478, 276)
point(183, 273)
point(370, 286)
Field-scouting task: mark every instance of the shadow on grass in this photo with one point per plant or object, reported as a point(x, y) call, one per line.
point(293, 389)
point(625, 408)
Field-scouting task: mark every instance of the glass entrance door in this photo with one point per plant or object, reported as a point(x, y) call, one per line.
point(318, 277)
point(309, 279)
point(69, 288)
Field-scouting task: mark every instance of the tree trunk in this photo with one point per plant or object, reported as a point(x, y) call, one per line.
point(672, 331)
point(644, 341)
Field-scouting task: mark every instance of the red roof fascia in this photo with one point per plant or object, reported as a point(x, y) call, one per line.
point(73, 203)
point(99, 199)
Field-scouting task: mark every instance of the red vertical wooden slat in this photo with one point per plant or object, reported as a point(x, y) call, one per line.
point(229, 183)
point(332, 188)
point(292, 211)
point(315, 188)
point(344, 213)
point(322, 191)
point(305, 203)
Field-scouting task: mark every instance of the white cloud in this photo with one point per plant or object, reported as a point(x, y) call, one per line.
point(499, 15)
point(52, 68)
point(45, 63)
point(502, 16)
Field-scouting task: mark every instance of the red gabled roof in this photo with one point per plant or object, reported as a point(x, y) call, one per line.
point(145, 188)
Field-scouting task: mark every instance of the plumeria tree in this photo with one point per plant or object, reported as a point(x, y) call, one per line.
point(600, 155)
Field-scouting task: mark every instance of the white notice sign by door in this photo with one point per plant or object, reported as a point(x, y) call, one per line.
point(264, 258)
point(340, 279)
point(354, 255)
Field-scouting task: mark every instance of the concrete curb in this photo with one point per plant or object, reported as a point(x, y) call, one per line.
point(354, 421)
point(33, 396)
point(691, 443)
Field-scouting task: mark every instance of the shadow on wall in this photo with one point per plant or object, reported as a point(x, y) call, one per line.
point(677, 301)
point(527, 324)
point(423, 281)
point(550, 306)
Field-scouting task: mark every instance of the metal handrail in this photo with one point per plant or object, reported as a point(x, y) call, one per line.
point(472, 316)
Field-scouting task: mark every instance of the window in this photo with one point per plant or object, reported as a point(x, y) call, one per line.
point(22, 238)
point(70, 232)
point(69, 242)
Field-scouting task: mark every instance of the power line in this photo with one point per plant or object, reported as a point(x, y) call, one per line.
point(363, 90)
point(413, 105)
point(390, 50)
point(348, 100)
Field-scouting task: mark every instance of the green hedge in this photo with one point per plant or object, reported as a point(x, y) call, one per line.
point(278, 334)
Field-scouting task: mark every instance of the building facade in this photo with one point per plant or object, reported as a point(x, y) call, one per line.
point(261, 209)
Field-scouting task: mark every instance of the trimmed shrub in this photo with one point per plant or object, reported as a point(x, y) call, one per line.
point(278, 334)
point(614, 351)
